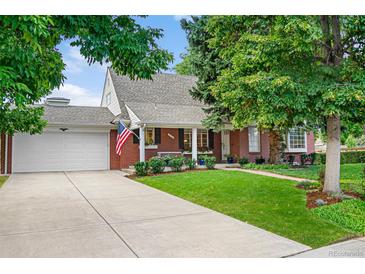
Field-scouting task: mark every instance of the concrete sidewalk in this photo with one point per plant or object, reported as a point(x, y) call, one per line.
point(266, 173)
point(354, 248)
point(103, 214)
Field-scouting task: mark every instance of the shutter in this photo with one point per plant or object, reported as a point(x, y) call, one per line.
point(157, 136)
point(181, 138)
point(211, 139)
point(135, 139)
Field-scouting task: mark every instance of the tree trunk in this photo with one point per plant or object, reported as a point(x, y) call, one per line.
point(274, 141)
point(333, 153)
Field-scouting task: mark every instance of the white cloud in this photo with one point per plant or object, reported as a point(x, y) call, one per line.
point(79, 96)
point(76, 63)
point(179, 17)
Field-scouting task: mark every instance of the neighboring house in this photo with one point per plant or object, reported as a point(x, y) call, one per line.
point(161, 112)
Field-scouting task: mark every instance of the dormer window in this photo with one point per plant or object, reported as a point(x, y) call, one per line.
point(108, 99)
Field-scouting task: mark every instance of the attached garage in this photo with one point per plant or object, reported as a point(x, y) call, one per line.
point(61, 151)
point(75, 138)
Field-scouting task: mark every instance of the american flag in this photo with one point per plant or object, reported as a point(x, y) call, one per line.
point(123, 134)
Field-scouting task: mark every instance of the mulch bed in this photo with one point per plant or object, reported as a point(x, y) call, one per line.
point(312, 196)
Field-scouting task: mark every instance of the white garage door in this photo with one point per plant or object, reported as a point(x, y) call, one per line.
point(60, 151)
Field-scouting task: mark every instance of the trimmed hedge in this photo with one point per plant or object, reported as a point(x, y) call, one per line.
point(347, 157)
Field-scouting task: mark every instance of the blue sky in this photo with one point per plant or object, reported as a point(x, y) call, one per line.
point(84, 83)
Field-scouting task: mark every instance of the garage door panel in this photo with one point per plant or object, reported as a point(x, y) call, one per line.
point(56, 151)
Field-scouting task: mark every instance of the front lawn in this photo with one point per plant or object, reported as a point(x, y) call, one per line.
point(351, 175)
point(270, 203)
point(2, 180)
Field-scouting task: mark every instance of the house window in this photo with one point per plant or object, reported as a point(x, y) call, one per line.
point(108, 99)
point(297, 140)
point(202, 139)
point(149, 136)
point(253, 139)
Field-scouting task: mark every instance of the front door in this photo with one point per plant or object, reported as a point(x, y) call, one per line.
point(226, 146)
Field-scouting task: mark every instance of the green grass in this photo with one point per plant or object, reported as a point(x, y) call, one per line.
point(351, 175)
point(349, 172)
point(2, 180)
point(270, 203)
point(349, 214)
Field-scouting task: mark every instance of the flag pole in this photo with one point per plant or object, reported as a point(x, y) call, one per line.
point(129, 129)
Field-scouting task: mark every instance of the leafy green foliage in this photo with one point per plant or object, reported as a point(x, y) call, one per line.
point(308, 185)
point(209, 161)
point(190, 163)
point(264, 167)
point(156, 164)
point(31, 65)
point(269, 203)
point(349, 214)
point(243, 161)
point(347, 157)
point(177, 163)
point(141, 168)
point(350, 141)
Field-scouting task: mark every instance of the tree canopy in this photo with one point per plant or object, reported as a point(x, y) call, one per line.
point(286, 71)
point(31, 65)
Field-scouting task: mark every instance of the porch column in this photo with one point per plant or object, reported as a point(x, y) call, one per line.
point(141, 144)
point(194, 144)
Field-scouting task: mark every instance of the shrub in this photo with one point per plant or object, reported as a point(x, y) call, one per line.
point(348, 214)
point(141, 168)
point(243, 161)
point(303, 159)
point(350, 141)
point(308, 185)
point(167, 159)
point(291, 159)
point(312, 157)
point(210, 162)
point(321, 175)
point(157, 165)
point(190, 163)
point(260, 161)
point(176, 163)
point(347, 157)
point(265, 167)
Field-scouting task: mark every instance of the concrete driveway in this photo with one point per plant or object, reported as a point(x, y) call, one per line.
point(103, 214)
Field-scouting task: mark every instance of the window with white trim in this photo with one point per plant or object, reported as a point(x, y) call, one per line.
point(297, 140)
point(253, 139)
point(149, 136)
point(108, 99)
point(202, 139)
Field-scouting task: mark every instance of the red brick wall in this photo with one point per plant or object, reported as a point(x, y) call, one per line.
point(130, 151)
point(239, 145)
point(114, 158)
point(217, 151)
point(2, 151)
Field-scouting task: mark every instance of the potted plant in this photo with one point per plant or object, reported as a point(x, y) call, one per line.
point(230, 158)
point(201, 161)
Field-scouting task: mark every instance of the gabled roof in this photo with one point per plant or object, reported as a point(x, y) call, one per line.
point(77, 115)
point(163, 100)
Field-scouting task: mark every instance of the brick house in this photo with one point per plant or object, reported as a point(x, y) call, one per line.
point(161, 112)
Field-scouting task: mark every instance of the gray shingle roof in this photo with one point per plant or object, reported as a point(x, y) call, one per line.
point(165, 99)
point(167, 114)
point(77, 115)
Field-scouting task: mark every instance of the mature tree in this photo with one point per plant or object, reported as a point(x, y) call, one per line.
point(205, 63)
point(295, 71)
point(31, 65)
